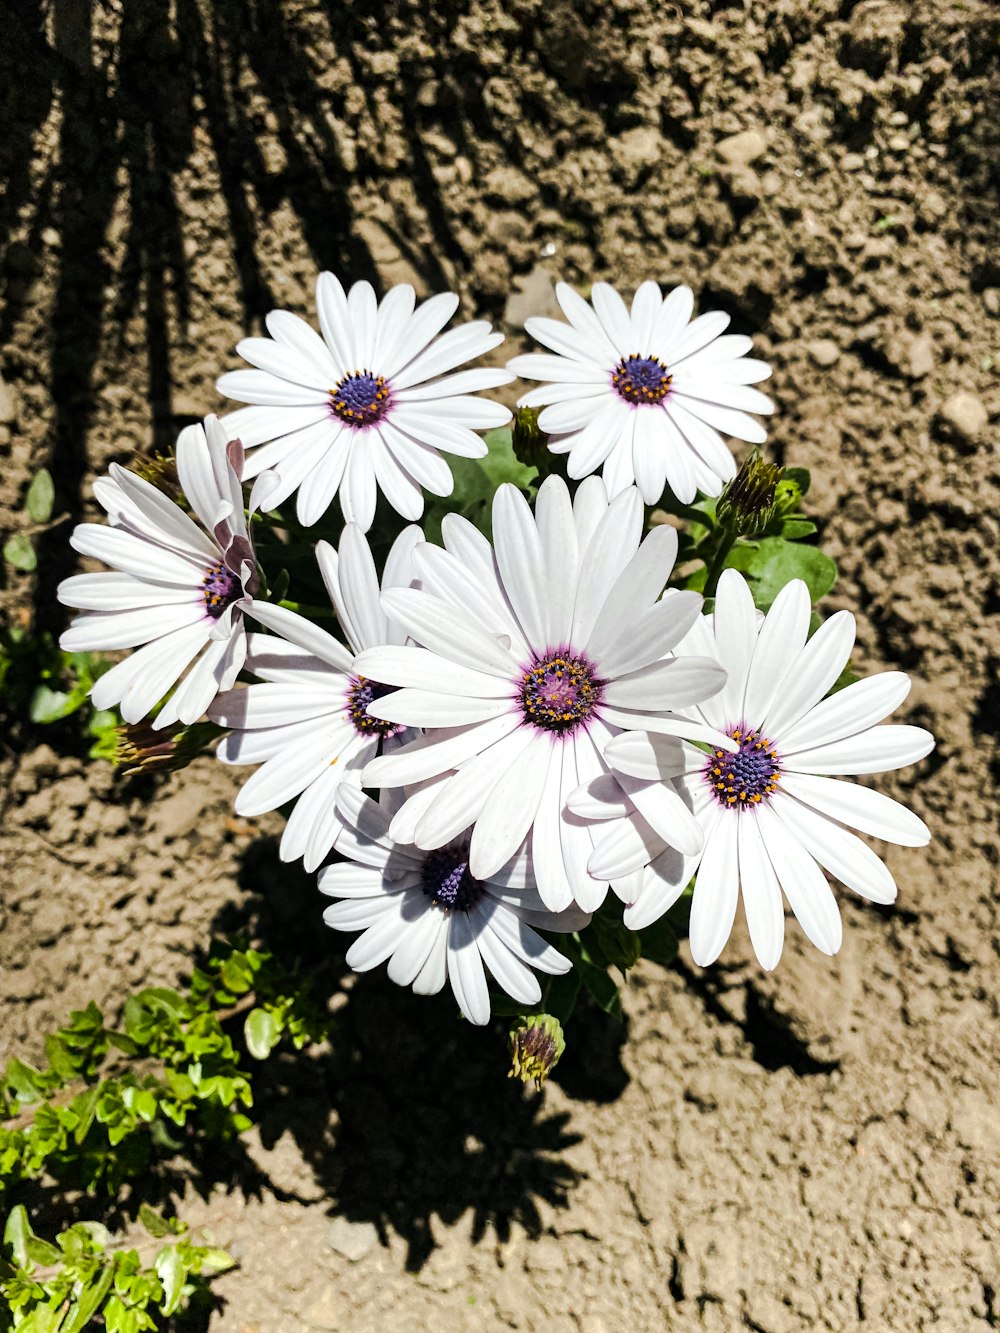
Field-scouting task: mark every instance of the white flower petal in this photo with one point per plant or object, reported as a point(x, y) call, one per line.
point(810, 675)
point(513, 976)
point(603, 560)
point(519, 557)
point(809, 895)
point(716, 890)
point(425, 708)
point(851, 710)
point(440, 627)
point(675, 683)
point(841, 853)
point(303, 632)
point(265, 390)
point(465, 970)
point(672, 318)
point(877, 750)
point(761, 893)
point(780, 640)
point(425, 323)
point(422, 759)
point(285, 363)
point(505, 821)
point(858, 807)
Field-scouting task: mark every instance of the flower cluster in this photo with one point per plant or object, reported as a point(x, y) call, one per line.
point(505, 724)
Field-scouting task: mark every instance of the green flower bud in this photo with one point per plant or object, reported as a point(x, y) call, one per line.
point(141, 749)
point(748, 503)
point(529, 443)
point(536, 1044)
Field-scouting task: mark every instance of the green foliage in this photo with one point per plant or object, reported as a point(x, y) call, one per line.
point(111, 1097)
point(19, 550)
point(476, 480)
point(40, 681)
point(62, 1287)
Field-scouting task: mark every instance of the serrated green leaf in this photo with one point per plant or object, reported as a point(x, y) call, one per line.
point(19, 552)
point(41, 497)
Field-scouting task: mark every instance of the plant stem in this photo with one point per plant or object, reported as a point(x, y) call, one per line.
point(719, 560)
point(304, 609)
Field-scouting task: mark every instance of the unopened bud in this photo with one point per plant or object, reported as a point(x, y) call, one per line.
point(530, 444)
point(536, 1044)
point(160, 470)
point(747, 505)
point(142, 749)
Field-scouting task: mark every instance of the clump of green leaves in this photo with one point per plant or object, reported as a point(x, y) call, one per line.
point(63, 1286)
point(111, 1097)
point(40, 681)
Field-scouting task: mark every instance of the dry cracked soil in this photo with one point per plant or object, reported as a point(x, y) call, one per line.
point(818, 1148)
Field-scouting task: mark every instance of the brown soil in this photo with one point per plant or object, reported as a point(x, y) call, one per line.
point(818, 1148)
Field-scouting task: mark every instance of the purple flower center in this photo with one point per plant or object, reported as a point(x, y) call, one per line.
point(641, 379)
point(360, 694)
point(361, 399)
point(559, 693)
point(220, 588)
point(446, 880)
point(746, 777)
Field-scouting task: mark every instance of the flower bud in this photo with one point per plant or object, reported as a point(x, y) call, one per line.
point(160, 470)
point(747, 505)
point(530, 444)
point(142, 749)
point(536, 1044)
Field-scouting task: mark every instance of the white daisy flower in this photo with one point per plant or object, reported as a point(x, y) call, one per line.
point(771, 813)
point(533, 654)
point(307, 725)
point(434, 922)
point(178, 589)
point(646, 394)
point(368, 405)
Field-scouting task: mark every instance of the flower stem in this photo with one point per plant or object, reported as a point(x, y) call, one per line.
point(719, 560)
point(305, 609)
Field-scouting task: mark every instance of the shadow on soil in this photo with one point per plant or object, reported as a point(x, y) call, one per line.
point(409, 1121)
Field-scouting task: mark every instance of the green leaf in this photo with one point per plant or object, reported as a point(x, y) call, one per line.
point(262, 1032)
point(659, 942)
point(561, 996)
point(17, 1232)
point(42, 1251)
point(772, 563)
point(801, 476)
point(41, 496)
point(215, 1261)
point(24, 1081)
point(792, 529)
point(171, 1271)
point(601, 987)
point(20, 553)
point(52, 705)
point(88, 1303)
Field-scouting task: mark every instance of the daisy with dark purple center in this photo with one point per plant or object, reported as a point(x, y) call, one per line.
point(773, 815)
point(528, 656)
point(179, 587)
point(645, 394)
point(427, 915)
point(367, 406)
point(307, 724)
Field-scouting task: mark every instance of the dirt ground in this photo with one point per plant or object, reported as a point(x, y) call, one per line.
point(814, 1149)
